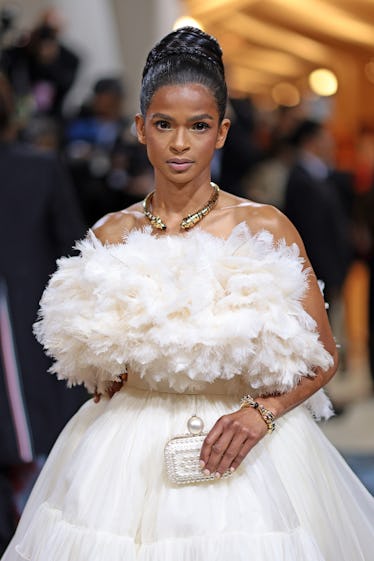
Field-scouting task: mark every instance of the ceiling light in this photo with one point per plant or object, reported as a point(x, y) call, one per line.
point(186, 21)
point(323, 82)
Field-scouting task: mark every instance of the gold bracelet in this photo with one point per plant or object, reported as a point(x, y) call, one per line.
point(266, 414)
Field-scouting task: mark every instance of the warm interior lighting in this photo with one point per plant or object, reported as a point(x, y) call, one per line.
point(369, 71)
point(272, 36)
point(243, 81)
point(323, 82)
point(323, 17)
point(185, 21)
point(285, 94)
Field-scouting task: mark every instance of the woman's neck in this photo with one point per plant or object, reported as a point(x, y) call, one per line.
point(173, 202)
point(172, 193)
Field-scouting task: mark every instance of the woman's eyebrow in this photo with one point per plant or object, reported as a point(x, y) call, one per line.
point(199, 117)
point(162, 116)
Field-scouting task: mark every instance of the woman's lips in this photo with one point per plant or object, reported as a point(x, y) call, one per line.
point(180, 165)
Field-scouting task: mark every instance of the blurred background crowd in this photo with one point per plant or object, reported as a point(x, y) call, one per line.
point(67, 160)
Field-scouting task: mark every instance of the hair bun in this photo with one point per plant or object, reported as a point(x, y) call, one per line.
point(189, 41)
point(185, 56)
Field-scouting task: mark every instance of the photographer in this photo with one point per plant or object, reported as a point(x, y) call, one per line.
point(40, 69)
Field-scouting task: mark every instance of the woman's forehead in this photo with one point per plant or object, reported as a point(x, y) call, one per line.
point(191, 96)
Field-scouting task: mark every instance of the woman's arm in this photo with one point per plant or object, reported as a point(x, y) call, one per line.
point(235, 434)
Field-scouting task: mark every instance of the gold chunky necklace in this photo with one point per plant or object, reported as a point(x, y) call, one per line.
point(187, 222)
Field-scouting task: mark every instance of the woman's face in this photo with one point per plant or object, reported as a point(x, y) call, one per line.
point(181, 130)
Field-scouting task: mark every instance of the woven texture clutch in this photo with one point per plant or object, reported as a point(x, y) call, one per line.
point(182, 456)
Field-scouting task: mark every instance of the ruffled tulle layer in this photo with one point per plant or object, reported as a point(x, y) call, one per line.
point(64, 541)
point(103, 494)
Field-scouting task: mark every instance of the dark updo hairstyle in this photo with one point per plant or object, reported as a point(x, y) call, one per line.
point(185, 56)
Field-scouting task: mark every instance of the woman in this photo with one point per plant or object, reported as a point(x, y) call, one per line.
point(204, 311)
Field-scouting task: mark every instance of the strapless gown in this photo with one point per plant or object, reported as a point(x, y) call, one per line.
point(103, 494)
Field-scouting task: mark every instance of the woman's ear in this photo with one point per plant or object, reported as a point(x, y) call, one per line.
point(222, 132)
point(140, 128)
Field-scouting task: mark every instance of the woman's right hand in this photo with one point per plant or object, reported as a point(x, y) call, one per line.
point(112, 389)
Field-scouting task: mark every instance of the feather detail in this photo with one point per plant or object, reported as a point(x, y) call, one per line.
point(186, 309)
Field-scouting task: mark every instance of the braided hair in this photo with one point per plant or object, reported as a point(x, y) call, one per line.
point(185, 56)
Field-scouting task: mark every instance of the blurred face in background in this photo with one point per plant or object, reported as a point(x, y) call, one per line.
point(44, 44)
point(47, 51)
point(107, 105)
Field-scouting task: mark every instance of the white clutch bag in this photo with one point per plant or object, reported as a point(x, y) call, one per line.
point(182, 456)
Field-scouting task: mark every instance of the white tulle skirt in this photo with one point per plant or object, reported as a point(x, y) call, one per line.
point(103, 494)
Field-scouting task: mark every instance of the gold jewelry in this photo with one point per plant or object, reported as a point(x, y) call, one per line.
point(268, 416)
point(187, 222)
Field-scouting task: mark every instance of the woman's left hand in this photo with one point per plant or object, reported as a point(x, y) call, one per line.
point(230, 440)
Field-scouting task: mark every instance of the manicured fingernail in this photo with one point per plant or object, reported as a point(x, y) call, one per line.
point(217, 475)
point(232, 469)
point(206, 472)
point(202, 464)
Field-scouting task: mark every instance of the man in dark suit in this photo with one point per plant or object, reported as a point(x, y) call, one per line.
point(39, 221)
point(317, 202)
point(314, 204)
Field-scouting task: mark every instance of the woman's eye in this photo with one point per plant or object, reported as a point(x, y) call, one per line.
point(200, 126)
point(162, 124)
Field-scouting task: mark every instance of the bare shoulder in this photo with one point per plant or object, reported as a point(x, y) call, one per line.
point(267, 217)
point(263, 217)
point(114, 226)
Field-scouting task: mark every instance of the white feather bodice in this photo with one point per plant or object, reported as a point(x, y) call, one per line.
point(186, 309)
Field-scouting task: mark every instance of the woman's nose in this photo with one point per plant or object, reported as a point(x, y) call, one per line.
point(180, 141)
